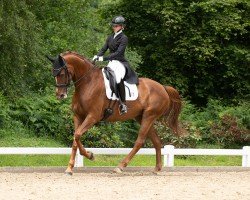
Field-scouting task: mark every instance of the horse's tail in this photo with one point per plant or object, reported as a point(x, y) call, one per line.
point(174, 110)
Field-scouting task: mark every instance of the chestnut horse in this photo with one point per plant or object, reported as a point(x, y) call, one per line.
point(89, 102)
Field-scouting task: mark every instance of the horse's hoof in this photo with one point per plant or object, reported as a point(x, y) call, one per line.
point(118, 170)
point(68, 173)
point(91, 157)
point(157, 170)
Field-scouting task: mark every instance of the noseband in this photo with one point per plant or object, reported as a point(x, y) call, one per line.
point(58, 72)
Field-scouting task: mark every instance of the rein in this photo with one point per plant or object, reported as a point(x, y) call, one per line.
point(74, 82)
point(68, 84)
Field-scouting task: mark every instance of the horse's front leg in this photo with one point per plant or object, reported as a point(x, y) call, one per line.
point(71, 164)
point(87, 124)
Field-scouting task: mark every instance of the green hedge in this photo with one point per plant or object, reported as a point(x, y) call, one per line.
point(41, 115)
point(226, 126)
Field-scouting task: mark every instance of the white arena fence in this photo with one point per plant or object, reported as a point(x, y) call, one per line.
point(168, 152)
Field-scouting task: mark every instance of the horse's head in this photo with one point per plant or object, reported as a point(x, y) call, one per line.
point(62, 76)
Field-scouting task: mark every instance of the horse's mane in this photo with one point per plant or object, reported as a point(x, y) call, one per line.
point(78, 55)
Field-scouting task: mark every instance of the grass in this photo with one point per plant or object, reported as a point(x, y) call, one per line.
point(102, 160)
point(33, 160)
point(208, 161)
point(144, 160)
point(27, 140)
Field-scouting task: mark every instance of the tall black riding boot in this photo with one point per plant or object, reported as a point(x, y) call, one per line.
point(121, 90)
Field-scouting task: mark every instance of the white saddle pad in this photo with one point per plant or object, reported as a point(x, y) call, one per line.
point(130, 90)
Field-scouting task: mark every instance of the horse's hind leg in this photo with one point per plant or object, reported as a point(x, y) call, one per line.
point(157, 145)
point(146, 122)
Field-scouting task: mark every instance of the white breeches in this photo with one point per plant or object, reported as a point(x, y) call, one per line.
point(118, 68)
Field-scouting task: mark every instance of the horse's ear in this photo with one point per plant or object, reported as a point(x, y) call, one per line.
point(50, 58)
point(61, 60)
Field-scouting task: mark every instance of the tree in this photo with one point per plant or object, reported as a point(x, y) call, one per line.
point(31, 29)
point(20, 45)
point(201, 47)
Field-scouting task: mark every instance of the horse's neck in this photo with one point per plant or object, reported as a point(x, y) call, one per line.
point(84, 72)
point(81, 67)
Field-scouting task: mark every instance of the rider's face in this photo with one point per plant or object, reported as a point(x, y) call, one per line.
point(116, 28)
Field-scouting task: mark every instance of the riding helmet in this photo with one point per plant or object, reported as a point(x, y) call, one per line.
point(118, 20)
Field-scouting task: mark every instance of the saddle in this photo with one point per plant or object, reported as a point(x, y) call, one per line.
point(111, 88)
point(112, 93)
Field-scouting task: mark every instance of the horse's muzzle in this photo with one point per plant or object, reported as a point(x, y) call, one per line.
point(61, 96)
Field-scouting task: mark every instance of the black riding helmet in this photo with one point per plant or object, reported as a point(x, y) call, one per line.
point(118, 20)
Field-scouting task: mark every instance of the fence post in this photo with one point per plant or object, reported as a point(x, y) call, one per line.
point(78, 159)
point(168, 156)
point(246, 156)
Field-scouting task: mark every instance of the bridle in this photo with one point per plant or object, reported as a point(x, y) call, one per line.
point(67, 74)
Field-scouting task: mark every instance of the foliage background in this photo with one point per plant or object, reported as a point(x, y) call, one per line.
point(199, 47)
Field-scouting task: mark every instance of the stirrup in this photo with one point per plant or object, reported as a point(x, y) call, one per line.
point(123, 109)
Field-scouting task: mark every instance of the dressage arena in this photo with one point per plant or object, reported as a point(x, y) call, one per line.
point(136, 184)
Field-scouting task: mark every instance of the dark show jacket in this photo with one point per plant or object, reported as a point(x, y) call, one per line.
point(117, 48)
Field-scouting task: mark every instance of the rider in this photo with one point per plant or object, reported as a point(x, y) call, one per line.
point(117, 43)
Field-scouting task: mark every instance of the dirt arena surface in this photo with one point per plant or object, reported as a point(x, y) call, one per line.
point(129, 185)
